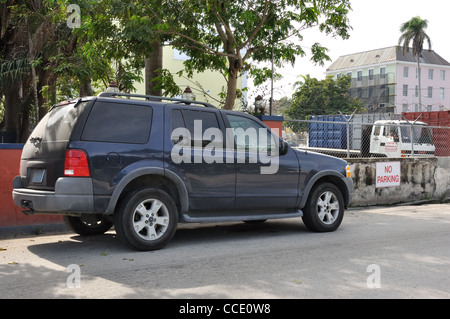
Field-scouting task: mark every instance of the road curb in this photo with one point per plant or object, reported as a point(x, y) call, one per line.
point(9, 232)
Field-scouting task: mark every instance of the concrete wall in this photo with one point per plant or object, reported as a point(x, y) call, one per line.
point(420, 179)
point(10, 214)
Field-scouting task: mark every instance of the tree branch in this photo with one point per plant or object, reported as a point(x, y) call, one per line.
point(258, 27)
point(204, 47)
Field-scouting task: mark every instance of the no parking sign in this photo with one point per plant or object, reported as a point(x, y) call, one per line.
point(388, 174)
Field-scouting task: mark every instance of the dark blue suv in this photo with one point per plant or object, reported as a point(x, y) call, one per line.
point(143, 164)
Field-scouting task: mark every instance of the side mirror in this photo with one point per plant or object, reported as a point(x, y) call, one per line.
point(284, 147)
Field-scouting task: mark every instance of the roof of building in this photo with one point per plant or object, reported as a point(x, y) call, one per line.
point(384, 55)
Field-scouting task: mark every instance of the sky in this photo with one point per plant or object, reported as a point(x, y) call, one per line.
point(376, 24)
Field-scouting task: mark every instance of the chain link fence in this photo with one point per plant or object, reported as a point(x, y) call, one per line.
point(369, 135)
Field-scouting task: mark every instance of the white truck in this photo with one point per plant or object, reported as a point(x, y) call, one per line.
point(395, 138)
point(368, 136)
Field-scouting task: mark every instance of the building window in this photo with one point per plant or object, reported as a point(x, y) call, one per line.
point(417, 91)
point(383, 90)
point(430, 92)
point(370, 74)
point(430, 74)
point(405, 71)
point(442, 93)
point(429, 108)
point(442, 75)
point(350, 74)
point(382, 72)
point(405, 107)
point(405, 90)
point(359, 75)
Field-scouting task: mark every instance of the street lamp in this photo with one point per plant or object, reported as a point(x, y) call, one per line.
point(259, 105)
point(113, 88)
point(188, 95)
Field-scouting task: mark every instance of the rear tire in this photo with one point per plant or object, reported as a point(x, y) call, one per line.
point(88, 225)
point(324, 209)
point(146, 219)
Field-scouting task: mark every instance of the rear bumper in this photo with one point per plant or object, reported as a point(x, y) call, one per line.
point(72, 195)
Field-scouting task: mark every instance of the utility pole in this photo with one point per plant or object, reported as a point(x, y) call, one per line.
point(271, 84)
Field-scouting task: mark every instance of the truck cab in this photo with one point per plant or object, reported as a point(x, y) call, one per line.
point(395, 138)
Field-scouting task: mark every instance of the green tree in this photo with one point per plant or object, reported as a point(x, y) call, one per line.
point(234, 36)
point(322, 97)
point(413, 31)
point(118, 40)
point(30, 36)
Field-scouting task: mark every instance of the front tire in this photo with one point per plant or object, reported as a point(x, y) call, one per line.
point(324, 209)
point(146, 219)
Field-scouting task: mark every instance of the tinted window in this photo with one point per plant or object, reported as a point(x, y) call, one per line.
point(206, 119)
point(197, 122)
point(119, 123)
point(59, 122)
point(177, 119)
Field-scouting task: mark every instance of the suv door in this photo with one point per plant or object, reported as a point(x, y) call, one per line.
point(264, 178)
point(196, 146)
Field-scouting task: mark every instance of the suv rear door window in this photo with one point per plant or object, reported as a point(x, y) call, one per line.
point(197, 122)
point(118, 123)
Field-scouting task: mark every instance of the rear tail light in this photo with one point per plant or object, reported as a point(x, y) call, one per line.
point(76, 164)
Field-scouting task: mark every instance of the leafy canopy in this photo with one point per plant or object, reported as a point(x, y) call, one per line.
point(322, 97)
point(235, 36)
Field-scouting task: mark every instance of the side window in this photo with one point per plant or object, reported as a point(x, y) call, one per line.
point(177, 122)
point(249, 135)
point(376, 131)
point(202, 126)
point(118, 123)
point(390, 131)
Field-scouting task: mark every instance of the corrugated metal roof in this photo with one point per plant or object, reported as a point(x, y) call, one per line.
point(384, 55)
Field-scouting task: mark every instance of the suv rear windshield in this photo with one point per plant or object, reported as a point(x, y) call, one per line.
point(60, 122)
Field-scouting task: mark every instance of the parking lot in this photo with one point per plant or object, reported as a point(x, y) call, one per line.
point(378, 252)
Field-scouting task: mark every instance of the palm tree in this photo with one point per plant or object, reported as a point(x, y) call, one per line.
point(414, 31)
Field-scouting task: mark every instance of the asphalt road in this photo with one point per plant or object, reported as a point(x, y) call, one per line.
point(377, 253)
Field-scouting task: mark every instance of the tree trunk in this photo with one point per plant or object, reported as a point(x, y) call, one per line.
point(233, 74)
point(419, 82)
point(86, 89)
point(231, 92)
point(33, 74)
point(12, 103)
point(152, 64)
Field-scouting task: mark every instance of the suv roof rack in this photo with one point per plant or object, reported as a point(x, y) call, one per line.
point(155, 98)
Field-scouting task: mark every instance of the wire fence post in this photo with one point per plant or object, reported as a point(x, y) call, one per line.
point(348, 138)
point(347, 124)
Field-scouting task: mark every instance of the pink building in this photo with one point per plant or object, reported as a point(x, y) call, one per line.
point(386, 80)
